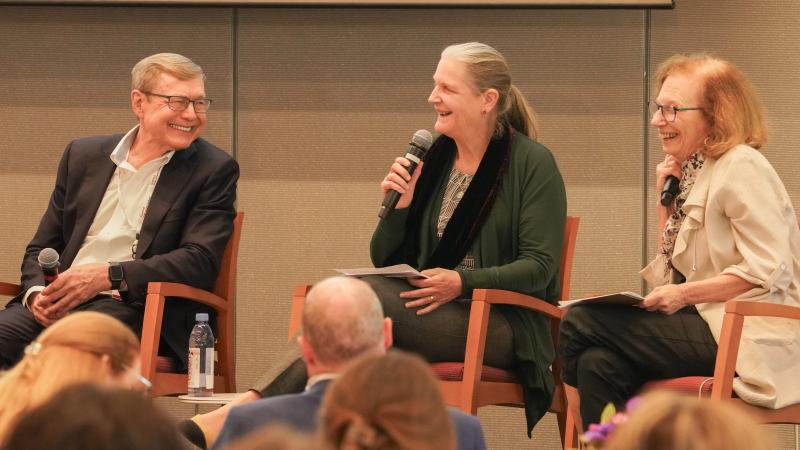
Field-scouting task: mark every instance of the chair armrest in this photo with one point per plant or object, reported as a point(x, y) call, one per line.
point(482, 299)
point(157, 295)
point(9, 289)
point(296, 315)
point(188, 292)
point(503, 297)
point(731, 335)
point(750, 308)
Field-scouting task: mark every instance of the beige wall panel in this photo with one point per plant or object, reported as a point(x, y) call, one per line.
point(19, 218)
point(65, 74)
point(762, 40)
point(329, 97)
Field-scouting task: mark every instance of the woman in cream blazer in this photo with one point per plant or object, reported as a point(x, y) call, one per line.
point(731, 233)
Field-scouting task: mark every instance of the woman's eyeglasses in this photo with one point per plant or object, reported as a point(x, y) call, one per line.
point(669, 113)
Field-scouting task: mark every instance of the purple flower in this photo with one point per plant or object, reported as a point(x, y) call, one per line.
point(599, 433)
point(593, 436)
point(633, 403)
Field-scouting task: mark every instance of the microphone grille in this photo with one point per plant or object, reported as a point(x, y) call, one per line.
point(422, 139)
point(48, 258)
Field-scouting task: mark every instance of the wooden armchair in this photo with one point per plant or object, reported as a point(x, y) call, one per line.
point(8, 289)
point(469, 385)
point(720, 387)
point(160, 370)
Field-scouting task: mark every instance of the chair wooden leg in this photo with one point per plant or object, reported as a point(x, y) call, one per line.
point(574, 406)
point(561, 419)
point(466, 401)
point(573, 423)
point(569, 433)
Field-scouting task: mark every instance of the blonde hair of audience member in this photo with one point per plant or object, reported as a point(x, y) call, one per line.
point(145, 73)
point(342, 319)
point(92, 417)
point(730, 104)
point(389, 402)
point(489, 70)
point(277, 437)
point(669, 421)
point(82, 347)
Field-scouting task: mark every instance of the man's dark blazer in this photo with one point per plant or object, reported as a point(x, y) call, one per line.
point(300, 412)
point(186, 227)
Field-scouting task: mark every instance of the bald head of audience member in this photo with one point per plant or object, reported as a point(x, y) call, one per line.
point(342, 319)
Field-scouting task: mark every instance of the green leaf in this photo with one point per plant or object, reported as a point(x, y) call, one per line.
point(608, 413)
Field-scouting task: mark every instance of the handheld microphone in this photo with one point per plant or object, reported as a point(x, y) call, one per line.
point(48, 261)
point(419, 145)
point(670, 190)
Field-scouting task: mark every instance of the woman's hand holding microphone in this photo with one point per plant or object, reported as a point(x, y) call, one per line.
point(670, 167)
point(399, 180)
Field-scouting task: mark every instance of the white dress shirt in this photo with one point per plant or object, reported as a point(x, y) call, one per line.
point(116, 225)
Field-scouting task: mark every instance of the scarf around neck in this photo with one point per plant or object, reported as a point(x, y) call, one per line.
point(690, 168)
point(470, 214)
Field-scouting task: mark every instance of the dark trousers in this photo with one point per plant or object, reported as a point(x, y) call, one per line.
point(439, 336)
point(18, 327)
point(608, 352)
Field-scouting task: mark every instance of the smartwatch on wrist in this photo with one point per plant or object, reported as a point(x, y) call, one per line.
point(115, 275)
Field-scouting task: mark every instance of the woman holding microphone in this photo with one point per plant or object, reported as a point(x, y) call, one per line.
point(731, 234)
point(486, 209)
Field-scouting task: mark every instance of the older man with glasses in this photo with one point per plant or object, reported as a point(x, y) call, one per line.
point(153, 204)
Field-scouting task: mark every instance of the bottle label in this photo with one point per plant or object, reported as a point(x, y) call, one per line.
point(201, 368)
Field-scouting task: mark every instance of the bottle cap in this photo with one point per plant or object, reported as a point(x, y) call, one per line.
point(201, 317)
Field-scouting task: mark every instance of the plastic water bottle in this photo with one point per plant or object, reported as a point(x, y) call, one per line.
point(201, 358)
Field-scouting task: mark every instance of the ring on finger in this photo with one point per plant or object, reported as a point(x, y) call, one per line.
point(433, 299)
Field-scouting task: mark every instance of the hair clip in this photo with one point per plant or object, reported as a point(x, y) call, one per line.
point(33, 348)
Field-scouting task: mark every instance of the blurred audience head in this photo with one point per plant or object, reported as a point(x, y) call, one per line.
point(82, 347)
point(731, 107)
point(389, 402)
point(342, 319)
point(277, 437)
point(670, 421)
point(91, 417)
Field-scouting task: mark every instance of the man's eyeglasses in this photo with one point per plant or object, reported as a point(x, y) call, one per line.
point(179, 103)
point(669, 112)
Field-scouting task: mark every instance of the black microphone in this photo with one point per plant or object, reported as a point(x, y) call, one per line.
point(419, 145)
point(48, 261)
point(670, 190)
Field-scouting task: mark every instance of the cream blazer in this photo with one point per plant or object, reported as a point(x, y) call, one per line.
point(740, 221)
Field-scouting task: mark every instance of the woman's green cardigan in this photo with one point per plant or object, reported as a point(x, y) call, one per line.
point(518, 249)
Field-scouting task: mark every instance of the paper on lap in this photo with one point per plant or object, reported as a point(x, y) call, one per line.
point(620, 298)
point(396, 271)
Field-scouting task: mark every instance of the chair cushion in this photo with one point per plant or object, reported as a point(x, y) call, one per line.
point(454, 371)
point(166, 364)
point(699, 386)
